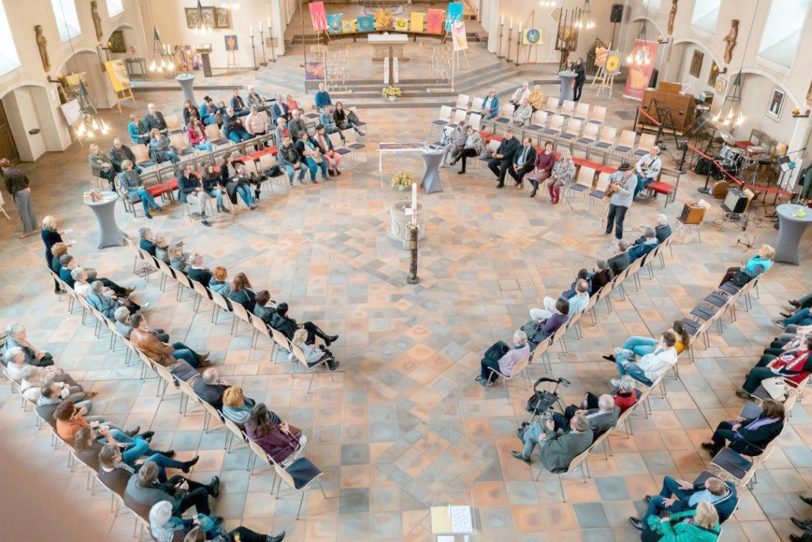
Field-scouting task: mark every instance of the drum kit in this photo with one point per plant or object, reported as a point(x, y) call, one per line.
point(735, 160)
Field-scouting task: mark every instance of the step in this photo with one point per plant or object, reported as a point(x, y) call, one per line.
point(444, 94)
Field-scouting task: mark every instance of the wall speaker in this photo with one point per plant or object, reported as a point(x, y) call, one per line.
point(616, 15)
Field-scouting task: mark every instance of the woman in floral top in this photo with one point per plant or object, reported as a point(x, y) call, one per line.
point(563, 173)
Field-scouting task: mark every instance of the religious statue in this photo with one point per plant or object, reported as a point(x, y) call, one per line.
point(671, 16)
point(94, 12)
point(42, 45)
point(730, 40)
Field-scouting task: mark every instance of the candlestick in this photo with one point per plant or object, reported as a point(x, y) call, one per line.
point(251, 31)
point(518, 44)
point(499, 44)
point(510, 40)
point(262, 46)
point(260, 27)
point(270, 38)
point(254, 52)
point(269, 23)
point(414, 203)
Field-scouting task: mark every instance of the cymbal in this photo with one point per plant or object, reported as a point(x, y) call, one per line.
point(727, 137)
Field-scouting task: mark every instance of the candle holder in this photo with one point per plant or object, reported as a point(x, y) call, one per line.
point(518, 45)
point(262, 48)
point(413, 231)
point(254, 52)
point(499, 48)
point(510, 40)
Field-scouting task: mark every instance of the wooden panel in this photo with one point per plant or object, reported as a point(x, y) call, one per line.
point(681, 108)
point(8, 149)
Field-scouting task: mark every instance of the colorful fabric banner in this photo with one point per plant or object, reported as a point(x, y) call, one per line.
point(334, 23)
point(402, 24)
point(458, 37)
point(366, 23)
point(532, 36)
point(434, 21)
point(639, 75)
point(417, 21)
point(454, 14)
point(383, 20)
point(348, 26)
point(318, 16)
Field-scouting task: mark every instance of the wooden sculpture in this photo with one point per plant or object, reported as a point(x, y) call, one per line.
point(671, 16)
point(730, 40)
point(42, 45)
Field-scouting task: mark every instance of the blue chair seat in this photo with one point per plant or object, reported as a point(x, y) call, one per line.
point(586, 140)
point(603, 145)
point(600, 194)
point(579, 187)
point(622, 149)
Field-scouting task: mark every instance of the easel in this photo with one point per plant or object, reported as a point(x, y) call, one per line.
point(530, 22)
point(233, 60)
point(124, 94)
point(606, 80)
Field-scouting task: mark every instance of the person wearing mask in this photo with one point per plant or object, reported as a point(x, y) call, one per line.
point(542, 169)
point(622, 184)
point(502, 159)
point(18, 185)
point(523, 162)
point(648, 169)
point(130, 184)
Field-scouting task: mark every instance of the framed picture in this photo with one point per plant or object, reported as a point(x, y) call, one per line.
point(222, 18)
point(696, 63)
point(714, 74)
point(231, 42)
point(193, 17)
point(776, 103)
point(116, 42)
point(809, 95)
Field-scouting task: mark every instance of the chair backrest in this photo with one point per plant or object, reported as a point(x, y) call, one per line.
point(351, 138)
point(647, 141)
point(335, 139)
point(199, 288)
point(477, 104)
point(567, 107)
point(168, 271)
point(178, 141)
point(475, 121)
point(586, 176)
point(260, 453)
point(608, 134)
point(574, 126)
point(557, 122)
point(213, 132)
point(234, 428)
point(520, 366)
point(506, 110)
point(213, 412)
point(603, 181)
point(240, 312)
point(591, 130)
point(164, 373)
point(299, 355)
point(140, 151)
point(260, 325)
point(251, 166)
point(172, 122)
point(582, 110)
point(577, 460)
point(445, 113)
point(627, 138)
point(598, 114)
point(219, 300)
point(463, 100)
point(493, 145)
point(267, 161)
point(539, 118)
point(280, 339)
point(187, 390)
point(184, 280)
point(552, 103)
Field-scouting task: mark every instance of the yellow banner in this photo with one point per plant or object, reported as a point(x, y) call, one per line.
point(118, 75)
point(417, 21)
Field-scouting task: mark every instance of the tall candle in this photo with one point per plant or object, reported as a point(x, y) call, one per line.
point(511, 23)
point(414, 199)
point(503, 20)
point(260, 27)
point(251, 31)
point(269, 23)
point(520, 28)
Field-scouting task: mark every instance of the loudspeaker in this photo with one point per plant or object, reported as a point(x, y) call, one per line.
point(735, 202)
point(692, 214)
point(616, 15)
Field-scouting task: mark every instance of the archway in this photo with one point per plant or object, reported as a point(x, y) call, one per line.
point(98, 86)
point(33, 120)
point(683, 52)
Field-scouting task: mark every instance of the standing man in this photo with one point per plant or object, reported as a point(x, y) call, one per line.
point(502, 159)
point(648, 169)
point(580, 78)
point(621, 200)
point(523, 161)
point(17, 185)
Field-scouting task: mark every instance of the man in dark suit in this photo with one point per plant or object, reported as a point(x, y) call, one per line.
point(558, 448)
point(279, 110)
point(154, 119)
point(680, 496)
point(523, 161)
point(210, 388)
point(119, 153)
point(502, 159)
point(601, 276)
point(238, 104)
point(197, 271)
point(620, 260)
point(580, 78)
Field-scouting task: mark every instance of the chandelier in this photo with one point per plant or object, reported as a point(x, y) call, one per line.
point(89, 124)
point(547, 3)
point(202, 27)
point(584, 21)
point(730, 113)
point(640, 55)
point(162, 61)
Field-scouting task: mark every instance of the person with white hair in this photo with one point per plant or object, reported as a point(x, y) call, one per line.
point(131, 185)
point(520, 95)
point(80, 281)
point(255, 99)
point(154, 119)
point(647, 169)
point(105, 301)
point(279, 110)
point(100, 165)
point(146, 240)
point(644, 245)
point(500, 357)
point(211, 388)
point(558, 447)
point(663, 229)
point(17, 336)
point(625, 396)
point(601, 418)
point(577, 303)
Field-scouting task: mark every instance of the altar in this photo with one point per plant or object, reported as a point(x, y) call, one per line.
point(389, 49)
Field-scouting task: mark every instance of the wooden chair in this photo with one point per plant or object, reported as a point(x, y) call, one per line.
point(475, 121)
point(476, 105)
point(462, 101)
point(568, 107)
point(215, 137)
point(582, 185)
point(173, 124)
point(552, 105)
point(626, 143)
point(554, 129)
point(581, 111)
point(647, 141)
point(597, 114)
point(142, 158)
point(605, 142)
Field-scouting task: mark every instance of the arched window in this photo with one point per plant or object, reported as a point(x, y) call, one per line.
point(706, 13)
point(652, 6)
point(67, 20)
point(782, 31)
point(114, 7)
point(9, 61)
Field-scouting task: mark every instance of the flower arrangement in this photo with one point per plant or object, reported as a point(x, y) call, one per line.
point(391, 92)
point(402, 180)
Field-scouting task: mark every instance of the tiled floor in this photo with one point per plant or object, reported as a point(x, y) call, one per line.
point(402, 426)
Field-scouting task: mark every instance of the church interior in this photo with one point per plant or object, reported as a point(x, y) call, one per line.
point(389, 270)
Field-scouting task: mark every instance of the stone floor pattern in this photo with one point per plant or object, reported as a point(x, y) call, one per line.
point(402, 426)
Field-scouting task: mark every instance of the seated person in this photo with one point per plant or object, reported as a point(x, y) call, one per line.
point(190, 113)
point(146, 240)
point(755, 266)
point(701, 524)
point(801, 317)
point(327, 120)
point(242, 293)
point(643, 246)
point(490, 105)
point(71, 418)
point(662, 230)
point(520, 95)
point(145, 340)
point(69, 265)
point(154, 119)
point(647, 169)
point(651, 366)
point(624, 395)
point(542, 168)
point(131, 185)
point(14, 359)
point(640, 346)
point(208, 111)
point(198, 271)
point(161, 250)
point(124, 325)
point(523, 161)
point(52, 394)
point(289, 160)
point(311, 156)
point(17, 336)
point(237, 103)
point(576, 303)
point(178, 260)
point(233, 127)
point(113, 473)
point(583, 274)
point(538, 331)
point(601, 418)
point(522, 114)
point(288, 326)
point(211, 388)
point(219, 283)
point(601, 276)
point(279, 440)
point(160, 149)
point(105, 301)
point(312, 353)
point(681, 496)
point(144, 490)
point(471, 148)
point(346, 119)
point(536, 98)
point(255, 99)
point(239, 534)
point(257, 122)
point(196, 136)
point(803, 303)
point(261, 309)
point(235, 183)
point(296, 125)
point(215, 187)
point(33, 378)
point(138, 130)
point(236, 406)
point(453, 142)
point(794, 366)
point(190, 190)
point(558, 448)
point(100, 165)
point(620, 261)
point(749, 436)
point(328, 151)
point(561, 175)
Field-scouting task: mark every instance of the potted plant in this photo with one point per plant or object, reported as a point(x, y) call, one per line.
point(391, 92)
point(402, 180)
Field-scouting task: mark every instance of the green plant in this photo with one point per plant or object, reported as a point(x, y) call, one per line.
point(402, 180)
point(391, 91)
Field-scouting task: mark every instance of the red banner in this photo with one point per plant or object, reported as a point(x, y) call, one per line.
point(644, 55)
point(318, 16)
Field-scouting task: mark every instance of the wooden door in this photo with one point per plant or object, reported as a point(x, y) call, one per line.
point(8, 149)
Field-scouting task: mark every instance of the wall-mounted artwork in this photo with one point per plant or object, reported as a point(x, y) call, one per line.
point(776, 103)
point(116, 42)
point(696, 63)
point(231, 42)
point(222, 18)
point(193, 17)
point(714, 73)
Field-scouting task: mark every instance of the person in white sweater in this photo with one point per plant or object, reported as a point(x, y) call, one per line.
point(578, 303)
point(521, 349)
point(313, 354)
point(651, 366)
